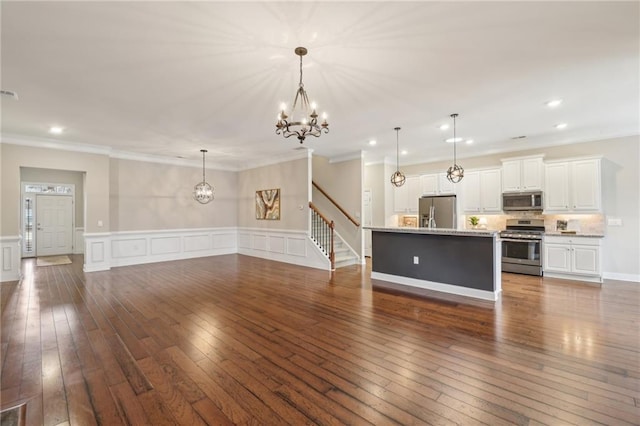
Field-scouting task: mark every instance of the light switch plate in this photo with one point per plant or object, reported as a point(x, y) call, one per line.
point(416, 260)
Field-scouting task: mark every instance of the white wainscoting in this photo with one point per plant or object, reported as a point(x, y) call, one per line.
point(78, 242)
point(10, 255)
point(96, 252)
point(289, 246)
point(138, 247)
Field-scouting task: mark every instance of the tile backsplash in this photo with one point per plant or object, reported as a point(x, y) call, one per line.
point(588, 223)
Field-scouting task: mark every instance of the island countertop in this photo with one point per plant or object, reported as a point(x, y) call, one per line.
point(463, 262)
point(435, 231)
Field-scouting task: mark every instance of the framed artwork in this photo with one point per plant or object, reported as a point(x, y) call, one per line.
point(410, 221)
point(268, 204)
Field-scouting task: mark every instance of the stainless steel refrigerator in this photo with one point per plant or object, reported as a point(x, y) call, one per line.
point(438, 211)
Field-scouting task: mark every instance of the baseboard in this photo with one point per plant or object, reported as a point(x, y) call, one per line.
point(621, 277)
point(585, 278)
point(440, 287)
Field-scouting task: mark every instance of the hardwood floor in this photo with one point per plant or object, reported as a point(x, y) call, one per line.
point(239, 340)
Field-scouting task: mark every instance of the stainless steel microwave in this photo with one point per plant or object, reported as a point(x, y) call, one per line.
point(522, 201)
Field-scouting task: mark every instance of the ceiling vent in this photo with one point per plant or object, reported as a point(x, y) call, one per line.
point(518, 137)
point(9, 93)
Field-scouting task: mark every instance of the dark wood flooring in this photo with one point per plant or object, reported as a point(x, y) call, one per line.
point(239, 340)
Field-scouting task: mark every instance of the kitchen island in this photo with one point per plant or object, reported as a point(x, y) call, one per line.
point(462, 262)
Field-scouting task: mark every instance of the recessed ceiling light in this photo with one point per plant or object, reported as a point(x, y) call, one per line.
point(554, 103)
point(444, 127)
point(372, 142)
point(452, 140)
point(561, 126)
point(56, 130)
point(404, 152)
point(469, 141)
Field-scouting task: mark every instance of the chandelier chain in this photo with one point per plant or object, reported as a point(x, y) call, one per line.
point(301, 83)
point(203, 151)
point(397, 129)
point(454, 138)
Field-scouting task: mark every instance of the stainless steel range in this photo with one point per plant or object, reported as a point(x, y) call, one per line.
point(522, 246)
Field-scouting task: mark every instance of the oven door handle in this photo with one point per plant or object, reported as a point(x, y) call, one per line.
point(524, 240)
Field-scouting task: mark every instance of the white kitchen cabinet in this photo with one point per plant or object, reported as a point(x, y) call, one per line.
point(572, 258)
point(436, 184)
point(522, 174)
point(482, 191)
point(405, 198)
point(573, 186)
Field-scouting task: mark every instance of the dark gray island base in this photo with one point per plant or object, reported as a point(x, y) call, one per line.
point(466, 263)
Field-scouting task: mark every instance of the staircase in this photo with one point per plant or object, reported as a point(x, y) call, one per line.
point(324, 236)
point(344, 255)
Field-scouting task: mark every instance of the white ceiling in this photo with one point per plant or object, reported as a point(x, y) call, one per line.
point(170, 78)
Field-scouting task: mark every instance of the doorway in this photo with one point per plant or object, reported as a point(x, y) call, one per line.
point(48, 219)
point(54, 225)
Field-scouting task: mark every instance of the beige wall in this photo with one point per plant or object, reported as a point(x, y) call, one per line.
point(375, 179)
point(28, 174)
point(343, 182)
point(96, 183)
point(292, 177)
point(152, 196)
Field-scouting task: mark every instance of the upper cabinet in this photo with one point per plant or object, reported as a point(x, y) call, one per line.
point(436, 184)
point(406, 197)
point(522, 174)
point(482, 191)
point(573, 186)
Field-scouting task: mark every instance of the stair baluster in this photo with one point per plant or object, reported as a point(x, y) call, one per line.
point(322, 231)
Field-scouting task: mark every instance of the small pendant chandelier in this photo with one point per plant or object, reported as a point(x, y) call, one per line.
point(304, 120)
point(203, 192)
point(397, 178)
point(455, 173)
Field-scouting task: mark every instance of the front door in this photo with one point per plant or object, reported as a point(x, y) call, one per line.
point(54, 226)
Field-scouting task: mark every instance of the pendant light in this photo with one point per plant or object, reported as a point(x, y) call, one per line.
point(455, 173)
point(203, 192)
point(397, 178)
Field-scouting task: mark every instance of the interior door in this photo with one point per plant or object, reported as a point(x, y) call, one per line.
point(54, 214)
point(366, 221)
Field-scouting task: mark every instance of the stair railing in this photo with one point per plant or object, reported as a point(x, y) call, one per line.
point(322, 230)
point(335, 203)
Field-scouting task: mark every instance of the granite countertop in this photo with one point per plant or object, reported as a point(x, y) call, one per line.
point(435, 231)
point(579, 234)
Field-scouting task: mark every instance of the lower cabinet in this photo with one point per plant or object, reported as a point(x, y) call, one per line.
point(575, 258)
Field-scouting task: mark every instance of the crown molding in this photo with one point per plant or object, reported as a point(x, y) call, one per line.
point(150, 158)
point(54, 144)
point(298, 154)
point(358, 155)
point(147, 158)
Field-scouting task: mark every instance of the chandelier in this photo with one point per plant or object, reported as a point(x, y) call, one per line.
point(455, 173)
point(397, 178)
point(304, 120)
point(203, 192)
